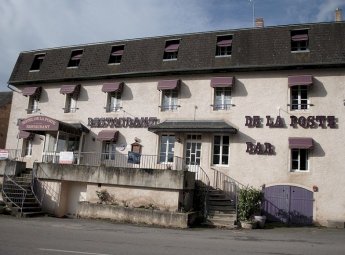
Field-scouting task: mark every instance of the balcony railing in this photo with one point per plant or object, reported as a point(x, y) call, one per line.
point(116, 159)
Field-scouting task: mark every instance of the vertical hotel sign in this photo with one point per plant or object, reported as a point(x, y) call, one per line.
point(39, 123)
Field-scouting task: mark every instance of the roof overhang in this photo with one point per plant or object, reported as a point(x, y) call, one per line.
point(193, 126)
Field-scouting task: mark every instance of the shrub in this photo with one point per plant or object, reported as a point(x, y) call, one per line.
point(249, 203)
point(104, 196)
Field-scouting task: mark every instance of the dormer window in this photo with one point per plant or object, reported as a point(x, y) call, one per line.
point(299, 40)
point(36, 64)
point(116, 54)
point(171, 49)
point(75, 58)
point(224, 45)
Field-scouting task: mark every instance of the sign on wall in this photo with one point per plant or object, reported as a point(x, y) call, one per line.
point(136, 122)
point(3, 154)
point(66, 157)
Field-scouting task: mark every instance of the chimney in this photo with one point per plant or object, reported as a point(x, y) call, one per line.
point(338, 15)
point(259, 22)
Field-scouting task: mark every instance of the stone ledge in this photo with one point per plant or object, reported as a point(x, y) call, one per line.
point(136, 215)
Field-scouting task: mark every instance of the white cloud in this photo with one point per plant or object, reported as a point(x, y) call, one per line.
point(327, 10)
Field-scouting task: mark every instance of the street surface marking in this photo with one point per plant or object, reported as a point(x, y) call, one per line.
point(76, 252)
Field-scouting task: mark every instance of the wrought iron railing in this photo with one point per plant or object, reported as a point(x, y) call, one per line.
point(116, 159)
point(37, 187)
point(228, 185)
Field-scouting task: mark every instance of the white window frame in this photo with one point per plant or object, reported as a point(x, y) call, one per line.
point(221, 148)
point(71, 104)
point(27, 147)
point(301, 102)
point(169, 100)
point(108, 150)
point(166, 153)
point(33, 104)
point(225, 101)
point(114, 102)
point(298, 160)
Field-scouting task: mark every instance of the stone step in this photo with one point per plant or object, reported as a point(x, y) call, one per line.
point(220, 202)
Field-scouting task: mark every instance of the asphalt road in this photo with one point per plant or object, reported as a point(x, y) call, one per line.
point(54, 236)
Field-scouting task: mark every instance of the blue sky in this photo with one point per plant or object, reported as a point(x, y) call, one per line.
point(37, 24)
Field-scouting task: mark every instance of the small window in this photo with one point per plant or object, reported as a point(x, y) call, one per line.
point(114, 102)
point(33, 104)
point(75, 58)
point(299, 97)
point(299, 160)
point(221, 146)
point(71, 104)
point(27, 147)
point(169, 100)
point(166, 149)
point(171, 49)
point(36, 64)
point(224, 45)
point(116, 54)
point(299, 40)
point(222, 98)
point(108, 150)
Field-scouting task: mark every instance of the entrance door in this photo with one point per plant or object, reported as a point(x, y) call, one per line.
point(288, 204)
point(193, 151)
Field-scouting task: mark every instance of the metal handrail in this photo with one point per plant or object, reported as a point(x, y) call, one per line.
point(19, 204)
point(35, 185)
point(228, 185)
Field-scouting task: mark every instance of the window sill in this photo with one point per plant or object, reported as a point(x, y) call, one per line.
point(222, 56)
point(72, 67)
point(299, 171)
point(173, 59)
point(34, 71)
point(300, 51)
point(114, 64)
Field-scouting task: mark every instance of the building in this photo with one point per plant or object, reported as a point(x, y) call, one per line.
point(5, 109)
point(262, 106)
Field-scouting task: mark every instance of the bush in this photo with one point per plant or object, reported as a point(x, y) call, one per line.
point(249, 203)
point(104, 196)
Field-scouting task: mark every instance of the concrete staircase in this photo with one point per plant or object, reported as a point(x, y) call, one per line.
point(18, 195)
point(221, 210)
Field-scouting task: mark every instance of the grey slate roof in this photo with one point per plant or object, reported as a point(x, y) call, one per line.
point(214, 126)
point(5, 98)
point(253, 49)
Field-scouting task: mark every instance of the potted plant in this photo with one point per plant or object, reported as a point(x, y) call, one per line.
point(249, 203)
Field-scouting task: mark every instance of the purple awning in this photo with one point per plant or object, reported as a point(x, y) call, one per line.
point(108, 135)
point(224, 43)
point(297, 38)
point(32, 91)
point(168, 84)
point(70, 89)
point(112, 87)
point(306, 80)
point(222, 82)
point(77, 57)
point(301, 143)
point(172, 47)
point(117, 53)
point(25, 135)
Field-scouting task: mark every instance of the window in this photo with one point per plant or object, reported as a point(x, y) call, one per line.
point(166, 153)
point(299, 40)
point(116, 54)
point(299, 97)
point(169, 100)
point(221, 150)
point(114, 102)
point(33, 104)
point(71, 103)
point(222, 98)
point(224, 45)
point(299, 160)
point(36, 64)
point(75, 58)
point(27, 145)
point(109, 149)
point(171, 49)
